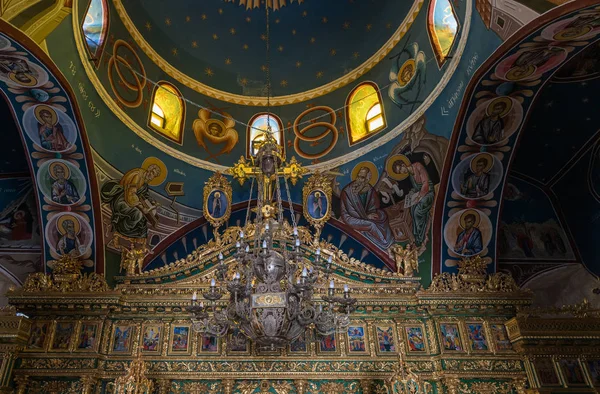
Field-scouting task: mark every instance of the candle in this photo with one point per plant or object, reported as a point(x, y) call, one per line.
point(194, 296)
point(221, 256)
point(247, 248)
point(346, 289)
point(237, 244)
point(236, 276)
point(201, 304)
point(331, 284)
point(329, 259)
point(304, 272)
point(267, 226)
point(296, 231)
point(318, 252)
point(213, 282)
point(297, 242)
point(241, 234)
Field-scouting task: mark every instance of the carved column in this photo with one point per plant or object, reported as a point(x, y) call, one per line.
point(164, 385)
point(22, 382)
point(228, 386)
point(88, 384)
point(452, 384)
point(301, 386)
point(520, 385)
point(7, 361)
point(366, 385)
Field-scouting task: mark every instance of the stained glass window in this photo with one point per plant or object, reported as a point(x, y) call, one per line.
point(167, 112)
point(95, 27)
point(442, 26)
point(364, 112)
point(257, 129)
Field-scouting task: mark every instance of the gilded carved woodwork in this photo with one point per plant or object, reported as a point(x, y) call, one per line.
point(158, 298)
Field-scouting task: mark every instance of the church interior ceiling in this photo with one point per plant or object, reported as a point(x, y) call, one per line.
point(452, 168)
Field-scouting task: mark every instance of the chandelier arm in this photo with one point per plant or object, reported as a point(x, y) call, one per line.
point(249, 202)
point(289, 197)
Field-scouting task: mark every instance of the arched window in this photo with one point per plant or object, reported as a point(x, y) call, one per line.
point(257, 128)
point(95, 28)
point(364, 112)
point(442, 26)
point(167, 112)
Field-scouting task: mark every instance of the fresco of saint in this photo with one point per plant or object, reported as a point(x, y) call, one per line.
point(469, 241)
point(130, 200)
point(63, 190)
point(360, 210)
point(490, 129)
point(69, 242)
point(421, 197)
point(50, 131)
point(18, 70)
point(476, 180)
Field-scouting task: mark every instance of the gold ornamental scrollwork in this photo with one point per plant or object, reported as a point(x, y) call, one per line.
point(472, 277)
point(66, 277)
point(217, 201)
point(316, 201)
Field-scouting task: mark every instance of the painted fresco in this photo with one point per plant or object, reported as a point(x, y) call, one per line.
point(530, 228)
point(394, 203)
point(56, 155)
point(19, 224)
point(498, 102)
point(133, 210)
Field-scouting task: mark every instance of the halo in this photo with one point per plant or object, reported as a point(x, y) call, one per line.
point(488, 158)
point(216, 194)
point(505, 100)
point(32, 80)
point(371, 167)
point(59, 164)
point(408, 63)
point(218, 123)
point(163, 170)
point(470, 212)
point(44, 107)
point(63, 218)
point(389, 168)
point(514, 74)
point(317, 194)
point(564, 35)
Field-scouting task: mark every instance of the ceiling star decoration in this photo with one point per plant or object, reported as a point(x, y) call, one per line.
point(274, 4)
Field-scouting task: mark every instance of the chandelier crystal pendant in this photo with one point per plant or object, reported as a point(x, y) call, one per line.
point(272, 289)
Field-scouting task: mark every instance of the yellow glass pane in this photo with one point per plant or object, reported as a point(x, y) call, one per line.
point(168, 106)
point(364, 106)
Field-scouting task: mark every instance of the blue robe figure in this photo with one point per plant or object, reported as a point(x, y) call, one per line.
point(469, 241)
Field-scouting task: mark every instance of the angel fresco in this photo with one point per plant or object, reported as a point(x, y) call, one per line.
point(408, 76)
point(129, 198)
point(215, 131)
